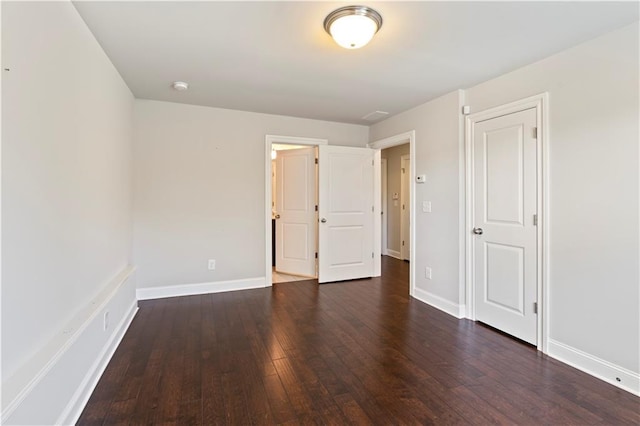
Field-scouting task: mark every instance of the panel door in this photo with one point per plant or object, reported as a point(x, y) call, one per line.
point(505, 237)
point(346, 213)
point(295, 212)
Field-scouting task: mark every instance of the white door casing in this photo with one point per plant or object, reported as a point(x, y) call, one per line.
point(346, 186)
point(295, 212)
point(405, 217)
point(383, 204)
point(505, 247)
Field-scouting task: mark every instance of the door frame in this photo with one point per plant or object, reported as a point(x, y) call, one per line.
point(400, 139)
point(541, 104)
point(269, 141)
point(384, 208)
point(403, 190)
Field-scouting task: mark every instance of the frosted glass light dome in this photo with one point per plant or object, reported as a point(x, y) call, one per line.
point(353, 26)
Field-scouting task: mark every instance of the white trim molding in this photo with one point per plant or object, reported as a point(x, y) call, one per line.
point(603, 370)
point(440, 303)
point(399, 139)
point(55, 384)
point(200, 288)
point(269, 141)
point(541, 103)
point(394, 254)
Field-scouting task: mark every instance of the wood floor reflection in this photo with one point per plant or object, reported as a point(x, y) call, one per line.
point(357, 352)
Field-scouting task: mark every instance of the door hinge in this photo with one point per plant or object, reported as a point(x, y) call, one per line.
point(403, 170)
point(372, 208)
point(316, 207)
point(403, 244)
point(316, 255)
point(535, 307)
point(372, 162)
point(372, 255)
point(403, 207)
point(535, 132)
point(535, 220)
point(316, 161)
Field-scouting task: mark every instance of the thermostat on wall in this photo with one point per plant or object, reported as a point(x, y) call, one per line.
point(421, 178)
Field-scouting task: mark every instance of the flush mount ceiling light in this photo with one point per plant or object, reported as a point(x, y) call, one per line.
point(180, 85)
point(353, 26)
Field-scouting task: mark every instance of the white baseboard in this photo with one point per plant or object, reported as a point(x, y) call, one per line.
point(54, 385)
point(201, 288)
point(603, 370)
point(438, 302)
point(394, 254)
point(74, 409)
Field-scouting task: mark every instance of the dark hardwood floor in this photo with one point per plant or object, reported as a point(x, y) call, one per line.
point(358, 352)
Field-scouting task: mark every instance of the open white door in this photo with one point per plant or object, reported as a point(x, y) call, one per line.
point(346, 213)
point(295, 212)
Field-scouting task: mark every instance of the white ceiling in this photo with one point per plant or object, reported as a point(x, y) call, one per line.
point(274, 57)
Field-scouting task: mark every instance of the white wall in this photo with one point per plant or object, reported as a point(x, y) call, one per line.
point(593, 162)
point(66, 183)
point(199, 189)
point(438, 150)
point(394, 185)
point(594, 190)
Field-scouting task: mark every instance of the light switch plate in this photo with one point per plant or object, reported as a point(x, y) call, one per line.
point(427, 273)
point(426, 206)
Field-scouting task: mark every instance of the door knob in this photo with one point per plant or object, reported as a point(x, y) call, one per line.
point(277, 216)
point(323, 220)
point(478, 231)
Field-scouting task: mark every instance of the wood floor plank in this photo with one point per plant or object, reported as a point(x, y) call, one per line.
point(359, 352)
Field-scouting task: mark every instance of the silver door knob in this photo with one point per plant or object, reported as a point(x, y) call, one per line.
point(277, 216)
point(478, 231)
point(323, 220)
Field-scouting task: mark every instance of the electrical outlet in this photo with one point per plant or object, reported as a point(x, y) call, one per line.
point(427, 273)
point(106, 320)
point(212, 264)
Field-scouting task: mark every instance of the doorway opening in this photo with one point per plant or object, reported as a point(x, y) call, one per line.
point(404, 143)
point(395, 201)
point(347, 211)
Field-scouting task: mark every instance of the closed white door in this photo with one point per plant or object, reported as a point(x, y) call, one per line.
point(295, 212)
point(405, 168)
point(346, 213)
point(505, 240)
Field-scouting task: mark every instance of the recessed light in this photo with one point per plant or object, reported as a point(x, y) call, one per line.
point(180, 85)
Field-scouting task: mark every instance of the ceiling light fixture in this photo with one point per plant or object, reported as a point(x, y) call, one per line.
point(353, 26)
point(180, 85)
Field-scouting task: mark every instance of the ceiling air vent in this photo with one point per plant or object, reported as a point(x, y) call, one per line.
point(375, 115)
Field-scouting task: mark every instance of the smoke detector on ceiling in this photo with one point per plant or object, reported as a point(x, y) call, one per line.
point(180, 86)
point(375, 115)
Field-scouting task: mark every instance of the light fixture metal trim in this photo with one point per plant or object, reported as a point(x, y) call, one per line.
point(352, 10)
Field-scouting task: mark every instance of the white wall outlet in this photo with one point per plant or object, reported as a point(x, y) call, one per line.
point(427, 273)
point(426, 206)
point(105, 323)
point(421, 178)
point(212, 264)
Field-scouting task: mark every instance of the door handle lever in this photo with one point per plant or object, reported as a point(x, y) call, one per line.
point(323, 220)
point(277, 216)
point(478, 231)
